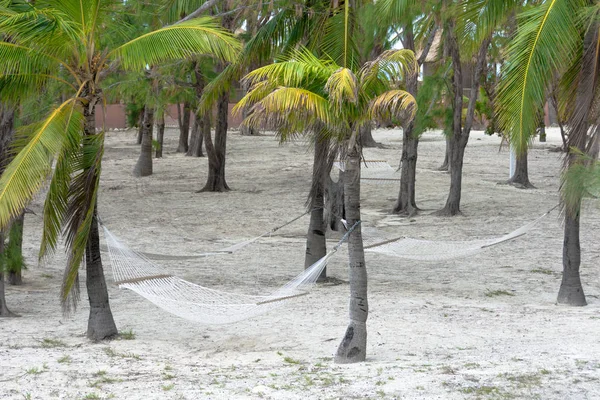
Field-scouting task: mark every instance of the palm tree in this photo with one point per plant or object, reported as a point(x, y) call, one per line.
point(77, 45)
point(416, 24)
point(7, 117)
point(557, 38)
point(306, 94)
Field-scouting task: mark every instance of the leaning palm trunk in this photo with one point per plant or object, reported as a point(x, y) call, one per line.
point(316, 245)
point(353, 347)
point(366, 136)
point(101, 324)
point(143, 167)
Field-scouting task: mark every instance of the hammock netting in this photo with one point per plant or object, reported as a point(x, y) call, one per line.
point(374, 171)
point(135, 271)
point(439, 250)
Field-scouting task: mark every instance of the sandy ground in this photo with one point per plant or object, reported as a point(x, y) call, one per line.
point(485, 327)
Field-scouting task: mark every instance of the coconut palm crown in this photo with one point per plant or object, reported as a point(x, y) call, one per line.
point(76, 44)
point(303, 93)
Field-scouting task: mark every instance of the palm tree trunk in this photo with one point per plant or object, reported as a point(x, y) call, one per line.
point(571, 290)
point(4, 311)
point(160, 134)
point(196, 140)
point(216, 152)
point(521, 176)
point(316, 245)
point(7, 116)
point(406, 203)
point(201, 122)
point(140, 131)
point(334, 202)
point(184, 129)
point(447, 155)
point(366, 137)
point(460, 133)
point(143, 167)
point(101, 324)
point(15, 276)
point(353, 347)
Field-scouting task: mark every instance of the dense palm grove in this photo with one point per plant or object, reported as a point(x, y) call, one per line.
point(324, 70)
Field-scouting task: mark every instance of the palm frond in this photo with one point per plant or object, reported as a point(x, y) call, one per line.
point(256, 93)
point(397, 10)
point(545, 43)
point(291, 109)
point(16, 87)
point(184, 40)
point(342, 88)
point(33, 164)
point(23, 60)
point(389, 68)
point(393, 105)
point(83, 193)
point(45, 28)
point(581, 179)
point(57, 199)
point(482, 17)
point(299, 68)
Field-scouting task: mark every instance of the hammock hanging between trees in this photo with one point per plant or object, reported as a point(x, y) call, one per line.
point(134, 271)
point(439, 250)
point(374, 171)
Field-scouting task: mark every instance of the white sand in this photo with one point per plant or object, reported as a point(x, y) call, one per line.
point(433, 331)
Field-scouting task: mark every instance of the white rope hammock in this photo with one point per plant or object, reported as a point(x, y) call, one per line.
point(134, 271)
point(374, 171)
point(439, 250)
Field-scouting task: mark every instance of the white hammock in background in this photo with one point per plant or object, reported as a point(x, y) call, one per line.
point(374, 171)
point(439, 250)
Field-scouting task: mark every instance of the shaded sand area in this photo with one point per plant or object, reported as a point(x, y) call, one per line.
point(484, 327)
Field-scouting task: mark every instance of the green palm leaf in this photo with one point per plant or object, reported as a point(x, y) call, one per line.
point(23, 60)
point(184, 40)
point(79, 214)
point(291, 109)
point(546, 41)
point(33, 164)
point(300, 68)
point(55, 206)
point(342, 88)
point(393, 105)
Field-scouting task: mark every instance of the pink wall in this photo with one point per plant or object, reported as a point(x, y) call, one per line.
point(116, 118)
